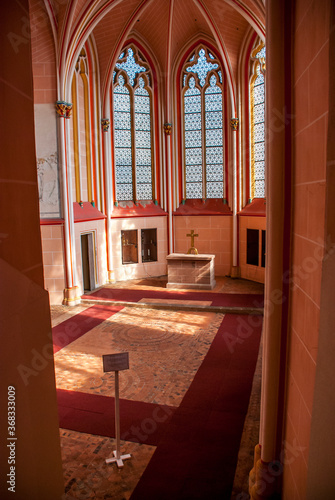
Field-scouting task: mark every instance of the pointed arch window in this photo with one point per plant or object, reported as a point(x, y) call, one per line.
point(133, 142)
point(257, 125)
point(202, 101)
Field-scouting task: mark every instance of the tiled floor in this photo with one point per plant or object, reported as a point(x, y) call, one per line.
point(160, 343)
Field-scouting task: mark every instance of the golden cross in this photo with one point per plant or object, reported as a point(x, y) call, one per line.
point(192, 235)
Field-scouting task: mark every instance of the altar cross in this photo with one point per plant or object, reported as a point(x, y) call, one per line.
point(192, 236)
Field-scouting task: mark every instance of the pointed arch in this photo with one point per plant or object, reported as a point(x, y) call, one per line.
point(201, 104)
point(133, 135)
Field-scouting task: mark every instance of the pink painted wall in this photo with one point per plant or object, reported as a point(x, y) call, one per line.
point(249, 272)
point(53, 262)
point(43, 55)
point(215, 237)
point(25, 315)
point(310, 95)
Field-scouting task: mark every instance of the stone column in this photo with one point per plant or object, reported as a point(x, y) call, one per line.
point(235, 270)
point(267, 473)
point(71, 292)
point(105, 123)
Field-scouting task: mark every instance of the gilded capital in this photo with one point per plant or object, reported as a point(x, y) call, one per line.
point(168, 128)
point(105, 122)
point(234, 122)
point(63, 109)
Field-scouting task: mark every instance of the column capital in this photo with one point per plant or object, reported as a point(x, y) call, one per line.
point(168, 128)
point(105, 123)
point(63, 109)
point(234, 123)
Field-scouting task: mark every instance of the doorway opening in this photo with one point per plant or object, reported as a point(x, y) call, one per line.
point(88, 261)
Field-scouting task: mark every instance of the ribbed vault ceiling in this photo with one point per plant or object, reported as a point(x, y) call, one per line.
point(165, 27)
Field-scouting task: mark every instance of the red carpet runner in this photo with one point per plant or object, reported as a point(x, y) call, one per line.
point(198, 442)
point(74, 327)
point(94, 414)
point(217, 299)
point(196, 459)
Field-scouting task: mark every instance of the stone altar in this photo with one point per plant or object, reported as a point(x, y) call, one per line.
point(191, 271)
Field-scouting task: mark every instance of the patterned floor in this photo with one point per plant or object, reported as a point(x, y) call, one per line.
point(165, 350)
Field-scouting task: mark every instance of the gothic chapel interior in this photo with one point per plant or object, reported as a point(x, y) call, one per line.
point(126, 123)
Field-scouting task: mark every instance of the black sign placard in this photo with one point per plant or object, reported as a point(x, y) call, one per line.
point(115, 362)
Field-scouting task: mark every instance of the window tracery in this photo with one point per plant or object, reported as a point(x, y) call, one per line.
point(132, 107)
point(203, 126)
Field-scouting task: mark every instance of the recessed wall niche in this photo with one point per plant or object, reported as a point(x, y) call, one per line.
point(149, 245)
point(253, 247)
point(129, 246)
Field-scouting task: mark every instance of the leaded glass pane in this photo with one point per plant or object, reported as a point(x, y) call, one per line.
point(261, 53)
point(193, 190)
point(143, 156)
point(143, 139)
point(122, 156)
point(124, 192)
point(259, 132)
point(202, 67)
point(259, 151)
point(193, 139)
point(194, 173)
point(214, 156)
point(121, 121)
point(259, 113)
point(142, 104)
point(214, 120)
point(124, 174)
point(142, 122)
point(214, 137)
point(213, 102)
point(259, 94)
point(259, 170)
point(193, 121)
point(214, 173)
point(131, 67)
point(127, 122)
point(144, 191)
point(122, 138)
point(193, 156)
point(259, 189)
point(260, 79)
point(197, 154)
point(214, 190)
point(143, 174)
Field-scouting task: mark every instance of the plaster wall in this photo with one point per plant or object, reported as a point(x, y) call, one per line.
point(47, 162)
point(53, 262)
point(139, 270)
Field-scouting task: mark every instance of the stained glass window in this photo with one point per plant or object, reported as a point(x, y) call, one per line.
point(203, 127)
point(257, 93)
point(132, 128)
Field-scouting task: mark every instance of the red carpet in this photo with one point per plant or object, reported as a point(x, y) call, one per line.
point(94, 414)
point(197, 457)
point(198, 442)
point(217, 299)
point(73, 328)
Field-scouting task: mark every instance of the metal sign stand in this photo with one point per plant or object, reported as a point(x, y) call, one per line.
point(116, 362)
